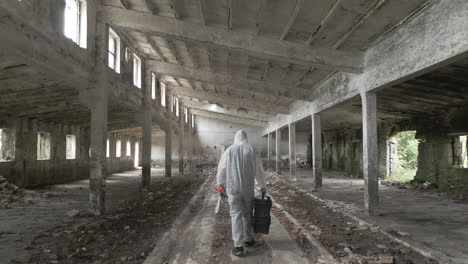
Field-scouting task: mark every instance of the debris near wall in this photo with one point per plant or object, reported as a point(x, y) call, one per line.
point(13, 196)
point(412, 185)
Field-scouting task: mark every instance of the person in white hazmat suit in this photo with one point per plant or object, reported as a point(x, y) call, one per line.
point(237, 171)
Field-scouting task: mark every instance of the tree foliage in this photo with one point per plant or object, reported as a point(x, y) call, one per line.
point(407, 146)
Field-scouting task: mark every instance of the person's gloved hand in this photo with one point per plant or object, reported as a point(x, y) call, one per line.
point(263, 191)
point(221, 191)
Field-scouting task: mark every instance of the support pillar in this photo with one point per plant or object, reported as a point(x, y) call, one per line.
point(98, 160)
point(292, 151)
point(98, 105)
point(269, 151)
point(316, 151)
point(181, 143)
point(278, 152)
point(168, 150)
point(190, 142)
point(147, 130)
point(369, 162)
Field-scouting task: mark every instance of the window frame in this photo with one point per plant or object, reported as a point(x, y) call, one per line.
point(128, 150)
point(153, 86)
point(80, 21)
point(11, 148)
point(177, 106)
point(118, 148)
point(67, 137)
point(137, 71)
point(48, 151)
point(116, 52)
point(163, 93)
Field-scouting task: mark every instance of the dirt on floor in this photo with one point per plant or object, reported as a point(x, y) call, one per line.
point(127, 235)
point(342, 236)
point(223, 244)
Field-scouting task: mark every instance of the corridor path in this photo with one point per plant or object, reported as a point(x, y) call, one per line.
point(195, 237)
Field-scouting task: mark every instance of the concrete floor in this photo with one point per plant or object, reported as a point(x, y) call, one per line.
point(20, 225)
point(191, 238)
point(426, 220)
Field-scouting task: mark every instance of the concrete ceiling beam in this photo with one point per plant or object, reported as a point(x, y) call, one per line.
point(229, 118)
point(228, 81)
point(229, 100)
point(324, 58)
point(245, 113)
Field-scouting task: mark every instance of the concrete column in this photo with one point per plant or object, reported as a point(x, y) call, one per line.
point(97, 101)
point(147, 127)
point(278, 152)
point(292, 151)
point(369, 162)
point(316, 151)
point(269, 151)
point(190, 142)
point(97, 180)
point(168, 149)
point(181, 142)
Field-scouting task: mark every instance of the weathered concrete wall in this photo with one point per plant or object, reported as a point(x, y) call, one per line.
point(158, 150)
point(342, 150)
point(210, 136)
point(25, 170)
point(435, 153)
point(124, 162)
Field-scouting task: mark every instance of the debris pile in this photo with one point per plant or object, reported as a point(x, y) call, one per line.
point(412, 185)
point(13, 196)
point(302, 162)
point(126, 234)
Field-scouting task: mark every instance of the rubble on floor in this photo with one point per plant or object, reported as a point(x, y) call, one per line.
point(13, 196)
point(411, 185)
point(347, 240)
point(126, 235)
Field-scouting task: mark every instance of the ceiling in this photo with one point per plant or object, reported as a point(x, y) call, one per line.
point(433, 96)
point(246, 82)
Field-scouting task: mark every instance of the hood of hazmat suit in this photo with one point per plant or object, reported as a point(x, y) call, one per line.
point(237, 170)
point(239, 167)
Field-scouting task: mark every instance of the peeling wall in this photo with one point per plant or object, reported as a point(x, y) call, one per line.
point(435, 153)
point(26, 171)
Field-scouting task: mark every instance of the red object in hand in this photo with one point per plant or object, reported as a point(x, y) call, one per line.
point(220, 188)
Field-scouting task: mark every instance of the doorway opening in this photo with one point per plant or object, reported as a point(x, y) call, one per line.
point(402, 156)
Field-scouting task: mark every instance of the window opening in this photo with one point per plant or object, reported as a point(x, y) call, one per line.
point(128, 149)
point(114, 51)
point(118, 148)
point(460, 151)
point(75, 26)
point(7, 145)
point(107, 149)
point(43, 146)
point(136, 71)
point(163, 94)
point(137, 153)
point(71, 147)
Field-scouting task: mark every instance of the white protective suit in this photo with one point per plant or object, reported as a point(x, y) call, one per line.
point(237, 171)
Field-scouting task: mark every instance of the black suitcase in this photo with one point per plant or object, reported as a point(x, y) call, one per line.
point(261, 218)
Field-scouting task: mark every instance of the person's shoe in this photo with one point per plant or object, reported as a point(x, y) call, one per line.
point(238, 251)
point(250, 243)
